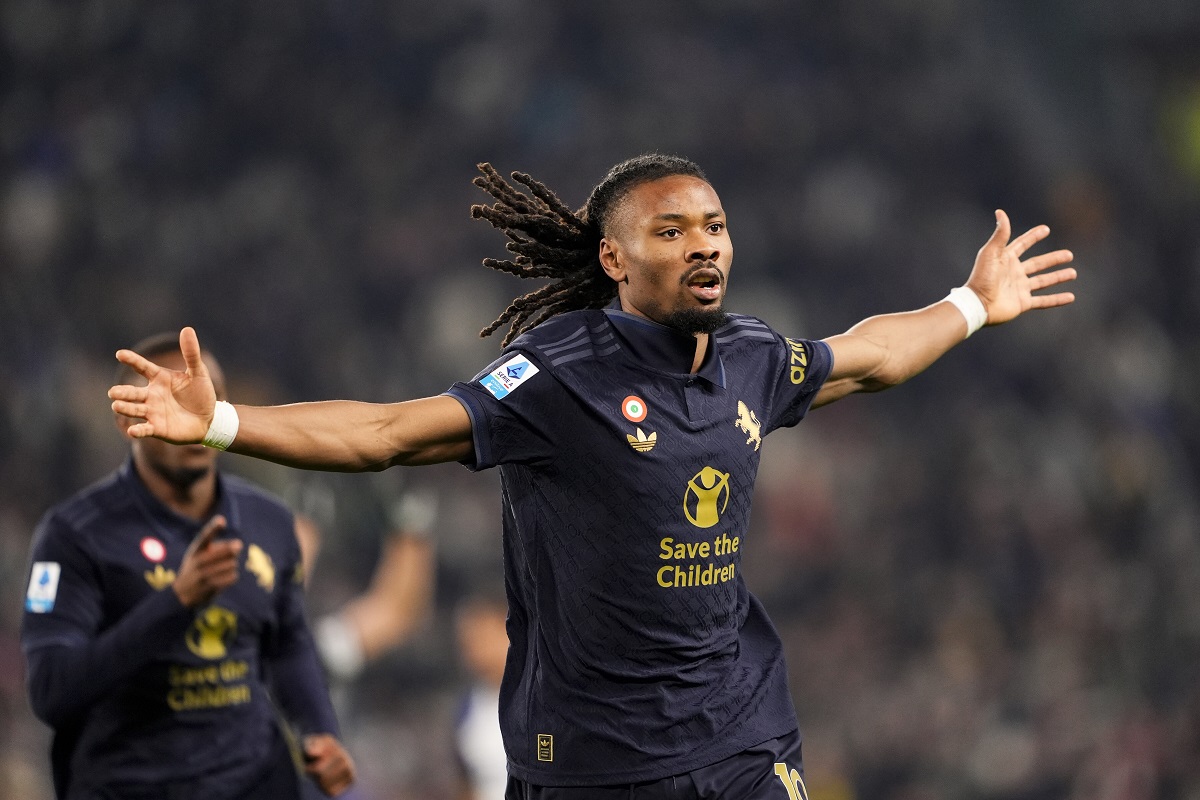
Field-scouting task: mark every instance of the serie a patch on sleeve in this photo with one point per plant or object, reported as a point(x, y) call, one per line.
point(504, 379)
point(43, 587)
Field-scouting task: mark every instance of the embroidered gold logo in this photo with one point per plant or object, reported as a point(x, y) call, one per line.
point(708, 489)
point(259, 563)
point(545, 747)
point(212, 632)
point(642, 443)
point(748, 422)
point(160, 578)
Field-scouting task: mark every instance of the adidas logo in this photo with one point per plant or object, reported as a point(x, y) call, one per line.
point(160, 578)
point(642, 443)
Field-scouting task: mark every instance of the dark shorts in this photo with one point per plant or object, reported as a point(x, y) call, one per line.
point(772, 770)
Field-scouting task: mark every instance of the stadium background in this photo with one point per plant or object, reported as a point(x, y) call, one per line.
point(988, 580)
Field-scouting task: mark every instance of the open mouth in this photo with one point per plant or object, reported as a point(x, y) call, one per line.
point(705, 284)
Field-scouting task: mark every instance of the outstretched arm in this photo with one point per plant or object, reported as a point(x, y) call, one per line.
point(338, 435)
point(886, 350)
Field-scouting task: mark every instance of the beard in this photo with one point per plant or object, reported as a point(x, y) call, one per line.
point(182, 478)
point(696, 320)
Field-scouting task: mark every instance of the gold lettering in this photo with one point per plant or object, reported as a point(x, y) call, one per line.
point(208, 697)
point(665, 544)
point(234, 670)
point(798, 361)
point(666, 584)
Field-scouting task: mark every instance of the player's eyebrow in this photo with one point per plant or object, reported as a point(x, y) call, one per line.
point(674, 217)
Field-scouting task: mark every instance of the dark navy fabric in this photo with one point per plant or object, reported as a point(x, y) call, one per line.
point(143, 692)
point(771, 770)
point(637, 651)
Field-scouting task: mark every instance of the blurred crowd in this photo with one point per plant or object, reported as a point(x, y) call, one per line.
point(988, 580)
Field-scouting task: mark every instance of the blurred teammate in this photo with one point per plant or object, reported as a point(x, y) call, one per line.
point(483, 647)
point(627, 419)
point(397, 600)
point(164, 634)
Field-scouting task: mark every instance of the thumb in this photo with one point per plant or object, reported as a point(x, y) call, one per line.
point(1003, 230)
point(189, 345)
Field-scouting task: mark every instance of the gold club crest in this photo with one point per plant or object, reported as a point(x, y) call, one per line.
point(259, 563)
point(749, 424)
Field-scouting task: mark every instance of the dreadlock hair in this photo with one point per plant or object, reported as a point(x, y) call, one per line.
point(549, 240)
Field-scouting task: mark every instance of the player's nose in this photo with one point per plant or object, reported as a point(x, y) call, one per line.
point(705, 252)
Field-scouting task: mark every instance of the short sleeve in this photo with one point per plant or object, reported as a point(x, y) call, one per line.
point(507, 403)
point(802, 372)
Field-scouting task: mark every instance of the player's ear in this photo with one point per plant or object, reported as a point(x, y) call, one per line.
point(611, 261)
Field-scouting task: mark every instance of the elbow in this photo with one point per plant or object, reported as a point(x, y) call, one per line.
point(51, 698)
point(52, 708)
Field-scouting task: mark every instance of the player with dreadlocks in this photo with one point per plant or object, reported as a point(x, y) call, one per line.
point(625, 414)
point(551, 241)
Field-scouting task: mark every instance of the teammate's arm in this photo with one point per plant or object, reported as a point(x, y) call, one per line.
point(337, 435)
point(294, 675)
point(886, 350)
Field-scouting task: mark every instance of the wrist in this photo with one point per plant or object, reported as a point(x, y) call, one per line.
point(223, 428)
point(970, 306)
point(340, 649)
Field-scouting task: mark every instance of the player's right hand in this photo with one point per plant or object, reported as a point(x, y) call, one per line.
point(208, 566)
point(177, 406)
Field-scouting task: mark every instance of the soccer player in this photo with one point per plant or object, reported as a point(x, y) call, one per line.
point(626, 414)
point(164, 633)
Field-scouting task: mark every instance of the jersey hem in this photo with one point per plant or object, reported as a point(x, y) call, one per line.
point(659, 771)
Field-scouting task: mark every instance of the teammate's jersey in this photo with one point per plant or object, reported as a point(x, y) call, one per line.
point(142, 691)
point(637, 651)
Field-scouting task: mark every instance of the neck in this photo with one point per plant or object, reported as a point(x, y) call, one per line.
point(194, 498)
point(701, 350)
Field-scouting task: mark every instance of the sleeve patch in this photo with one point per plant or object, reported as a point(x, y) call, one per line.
point(504, 379)
point(43, 587)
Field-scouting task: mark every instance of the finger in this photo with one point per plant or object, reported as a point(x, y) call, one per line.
point(141, 430)
point(1038, 282)
point(189, 345)
point(147, 369)
point(133, 394)
point(221, 555)
point(208, 532)
point(131, 409)
point(1052, 300)
point(1028, 239)
point(1047, 260)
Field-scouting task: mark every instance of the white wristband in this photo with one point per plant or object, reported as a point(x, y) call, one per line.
point(341, 651)
point(224, 426)
point(965, 300)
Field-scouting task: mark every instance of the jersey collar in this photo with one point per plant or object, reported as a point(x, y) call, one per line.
point(662, 348)
point(161, 514)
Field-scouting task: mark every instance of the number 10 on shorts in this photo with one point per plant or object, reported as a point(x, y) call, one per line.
point(792, 782)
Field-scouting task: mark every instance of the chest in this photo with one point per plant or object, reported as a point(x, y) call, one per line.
point(139, 559)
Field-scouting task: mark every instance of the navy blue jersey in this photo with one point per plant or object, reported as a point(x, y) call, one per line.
point(143, 692)
point(637, 651)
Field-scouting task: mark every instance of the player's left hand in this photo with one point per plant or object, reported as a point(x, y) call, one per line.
point(328, 763)
point(1006, 284)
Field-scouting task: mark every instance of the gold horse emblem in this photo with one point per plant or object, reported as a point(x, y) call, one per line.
point(259, 563)
point(749, 424)
point(212, 632)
